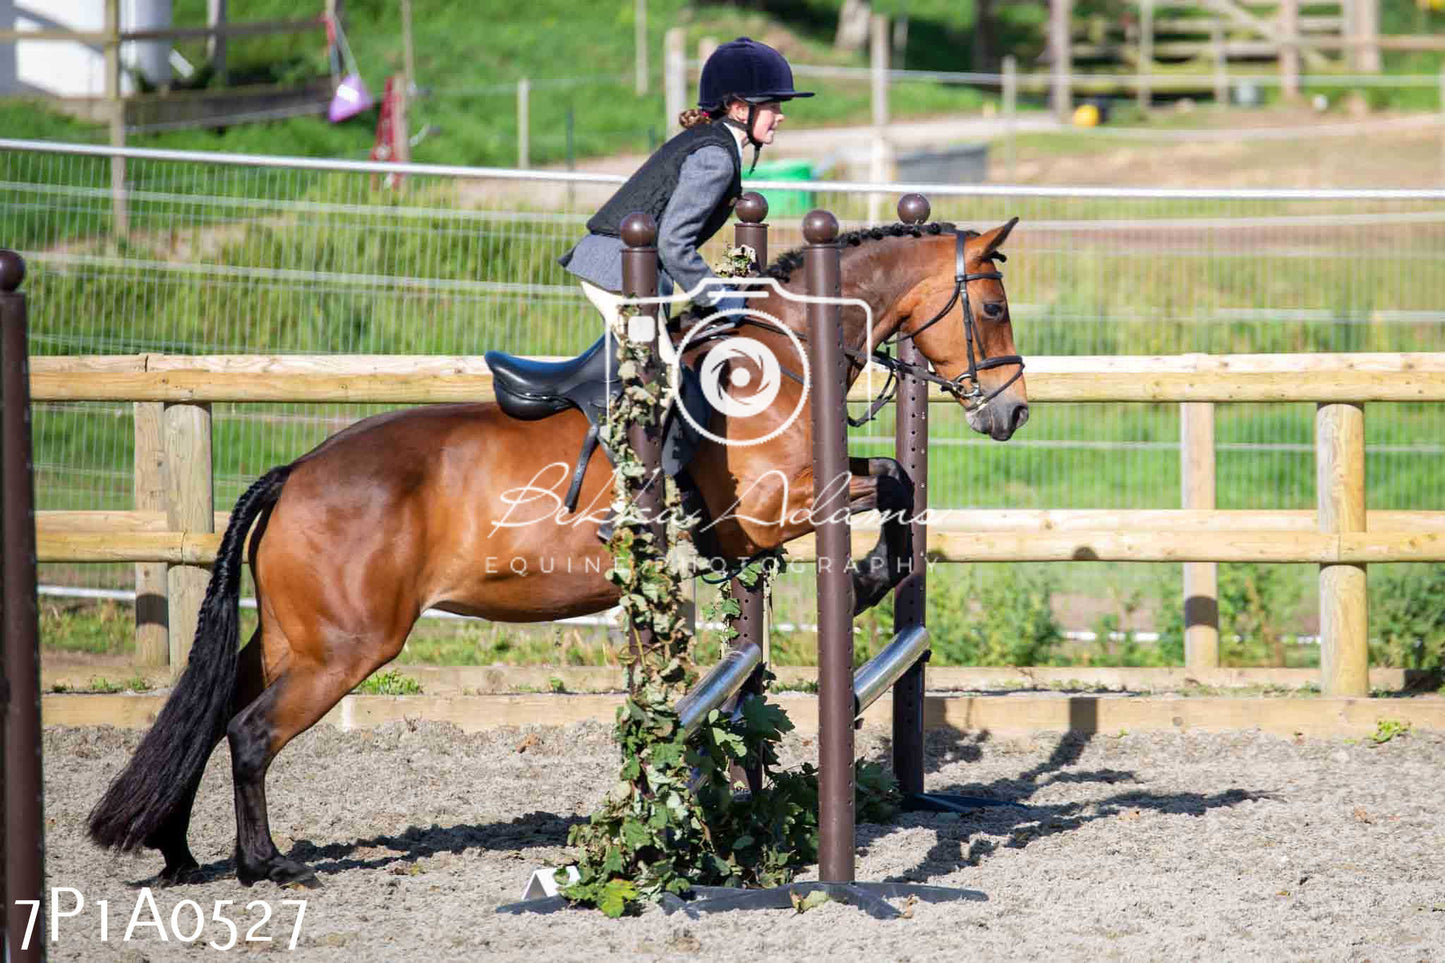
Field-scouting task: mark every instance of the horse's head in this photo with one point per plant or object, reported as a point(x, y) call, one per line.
point(995, 400)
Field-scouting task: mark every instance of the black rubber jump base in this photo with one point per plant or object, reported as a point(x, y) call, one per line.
point(871, 898)
point(947, 802)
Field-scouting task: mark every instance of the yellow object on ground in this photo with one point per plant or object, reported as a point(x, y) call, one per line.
point(1086, 115)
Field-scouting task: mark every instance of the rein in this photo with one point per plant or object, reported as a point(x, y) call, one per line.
point(972, 398)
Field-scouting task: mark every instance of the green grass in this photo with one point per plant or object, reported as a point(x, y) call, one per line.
point(389, 682)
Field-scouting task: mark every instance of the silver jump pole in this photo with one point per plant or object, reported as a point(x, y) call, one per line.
point(715, 688)
point(880, 672)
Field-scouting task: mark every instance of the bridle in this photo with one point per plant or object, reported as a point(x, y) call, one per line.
point(972, 396)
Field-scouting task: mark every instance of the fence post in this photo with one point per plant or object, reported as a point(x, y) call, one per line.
point(1221, 68)
point(878, 62)
point(1344, 604)
point(21, 875)
point(152, 646)
point(524, 94)
point(216, 42)
point(1061, 96)
point(120, 213)
point(190, 507)
point(705, 47)
point(639, 38)
point(1010, 113)
point(836, 790)
point(674, 84)
point(1363, 27)
point(1146, 52)
point(1201, 579)
point(1289, 49)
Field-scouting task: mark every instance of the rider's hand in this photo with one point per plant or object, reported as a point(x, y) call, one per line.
point(724, 299)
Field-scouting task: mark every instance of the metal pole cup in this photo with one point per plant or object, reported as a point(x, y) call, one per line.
point(639, 280)
point(20, 689)
point(836, 792)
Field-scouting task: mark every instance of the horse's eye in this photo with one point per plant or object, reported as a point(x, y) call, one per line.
point(993, 309)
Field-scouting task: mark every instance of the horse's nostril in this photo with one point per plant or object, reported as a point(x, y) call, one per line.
point(1020, 416)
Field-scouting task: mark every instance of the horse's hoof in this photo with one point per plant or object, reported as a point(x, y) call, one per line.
point(288, 872)
point(279, 870)
point(183, 872)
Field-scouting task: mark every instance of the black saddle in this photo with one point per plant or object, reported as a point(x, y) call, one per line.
point(532, 390)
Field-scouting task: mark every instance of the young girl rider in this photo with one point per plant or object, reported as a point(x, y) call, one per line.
point(690, 184)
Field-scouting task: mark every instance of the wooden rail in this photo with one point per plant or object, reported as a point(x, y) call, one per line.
point(420, 379)
point(1339, 536)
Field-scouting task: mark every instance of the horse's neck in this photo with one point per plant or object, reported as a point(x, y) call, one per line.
point(880, 281)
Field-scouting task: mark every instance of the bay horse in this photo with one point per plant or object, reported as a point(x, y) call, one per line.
point(408, 510)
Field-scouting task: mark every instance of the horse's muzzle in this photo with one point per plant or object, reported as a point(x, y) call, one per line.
point(1001, 417)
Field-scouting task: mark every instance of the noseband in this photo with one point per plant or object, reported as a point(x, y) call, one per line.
point(972, 397)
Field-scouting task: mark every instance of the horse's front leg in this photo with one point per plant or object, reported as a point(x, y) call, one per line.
point(881, 484)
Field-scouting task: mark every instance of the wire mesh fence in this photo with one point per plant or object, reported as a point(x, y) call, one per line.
point(221, 254)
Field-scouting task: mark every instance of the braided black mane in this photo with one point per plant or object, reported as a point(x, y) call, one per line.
point(786, 264)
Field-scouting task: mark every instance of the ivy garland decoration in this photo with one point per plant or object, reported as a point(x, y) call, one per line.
point(675, 818)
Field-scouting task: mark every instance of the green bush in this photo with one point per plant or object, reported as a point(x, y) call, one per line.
point(1407, 617)
point(1257, 606)
point(1000, 617)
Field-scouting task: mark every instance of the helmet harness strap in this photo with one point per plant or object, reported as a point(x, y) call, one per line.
point(748, 130)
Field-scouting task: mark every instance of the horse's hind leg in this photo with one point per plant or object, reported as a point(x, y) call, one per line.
point(170, 838)
point(305, 690)
point(882, 484)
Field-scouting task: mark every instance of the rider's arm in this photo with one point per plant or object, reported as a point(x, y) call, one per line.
point(701, 186)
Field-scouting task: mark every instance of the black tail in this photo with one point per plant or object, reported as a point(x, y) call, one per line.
point(173, 754)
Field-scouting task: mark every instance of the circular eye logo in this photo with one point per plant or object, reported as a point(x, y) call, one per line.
point(740, 377)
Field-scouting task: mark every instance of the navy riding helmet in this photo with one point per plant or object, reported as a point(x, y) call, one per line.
point(748, 70)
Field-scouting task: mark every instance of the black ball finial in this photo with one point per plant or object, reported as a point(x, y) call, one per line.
point(820, 227)
point(638, 230)
point(752, 208)
point(12, 271)
point(914, 209)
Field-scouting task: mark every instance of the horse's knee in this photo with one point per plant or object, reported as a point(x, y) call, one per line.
point(895, 485)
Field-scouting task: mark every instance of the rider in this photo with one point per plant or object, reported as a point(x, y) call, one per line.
point(690, 184)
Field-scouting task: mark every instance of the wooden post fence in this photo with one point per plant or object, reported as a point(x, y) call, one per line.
point(674, 81)
point(152, 613)
point(1146, 52)
point(1339, 535)
point(1289, 52)
point(190, 507)
point(1201, 579)
point(1061, 67)
point(1344, 609)
point(524, 114)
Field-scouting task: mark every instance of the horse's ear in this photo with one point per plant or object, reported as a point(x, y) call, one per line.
point(989, 242)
